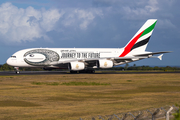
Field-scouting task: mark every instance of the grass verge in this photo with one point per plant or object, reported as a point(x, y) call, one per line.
point(71, 96)
point(71, 83)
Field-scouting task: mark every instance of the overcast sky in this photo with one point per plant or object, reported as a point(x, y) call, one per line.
point(89, 24)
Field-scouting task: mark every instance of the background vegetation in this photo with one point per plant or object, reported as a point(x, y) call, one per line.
point(126, 67)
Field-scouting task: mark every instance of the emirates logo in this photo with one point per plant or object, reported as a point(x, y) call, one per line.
point(77, 66)
point(105, 64)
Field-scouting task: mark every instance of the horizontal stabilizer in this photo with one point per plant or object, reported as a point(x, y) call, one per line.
point(152, 53)
point(160, 57)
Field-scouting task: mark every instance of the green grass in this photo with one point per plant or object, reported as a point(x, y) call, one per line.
point(45, 83)
point(129, 80)
point(71, 83)
point(84, 83)
point(71, 96)
point(15, 103)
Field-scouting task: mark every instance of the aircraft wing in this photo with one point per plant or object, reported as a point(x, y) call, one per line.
point(90, 62)
point(93, 62)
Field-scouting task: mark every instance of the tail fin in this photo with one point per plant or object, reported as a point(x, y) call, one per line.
point(140, 40)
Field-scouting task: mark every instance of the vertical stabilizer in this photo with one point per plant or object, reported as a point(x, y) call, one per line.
point(139, 41)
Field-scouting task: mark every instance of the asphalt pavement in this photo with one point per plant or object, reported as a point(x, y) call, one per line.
point(8, 73)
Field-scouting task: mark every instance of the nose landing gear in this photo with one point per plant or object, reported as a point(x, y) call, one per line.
point(17, 70)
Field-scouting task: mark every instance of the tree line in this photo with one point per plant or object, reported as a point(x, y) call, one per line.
point(6, 67)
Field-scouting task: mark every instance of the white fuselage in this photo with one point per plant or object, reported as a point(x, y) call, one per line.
point(19, 59)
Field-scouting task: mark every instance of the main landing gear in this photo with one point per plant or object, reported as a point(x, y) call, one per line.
point(83, 71)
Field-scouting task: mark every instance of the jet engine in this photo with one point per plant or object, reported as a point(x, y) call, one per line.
point(105, 64)
point(76, 66)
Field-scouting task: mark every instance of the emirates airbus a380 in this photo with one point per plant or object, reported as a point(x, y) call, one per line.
point(87, 59)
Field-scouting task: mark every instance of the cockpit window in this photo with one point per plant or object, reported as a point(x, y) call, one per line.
point(13, 56)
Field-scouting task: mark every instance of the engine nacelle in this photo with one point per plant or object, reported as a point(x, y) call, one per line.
point(76, 66)
point(105, 64)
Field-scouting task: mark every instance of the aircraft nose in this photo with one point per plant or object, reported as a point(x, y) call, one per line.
point(8, 61)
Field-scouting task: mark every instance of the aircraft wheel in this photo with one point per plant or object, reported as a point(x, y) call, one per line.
point(87, 71)
point(92, 71)
point(73, 72)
